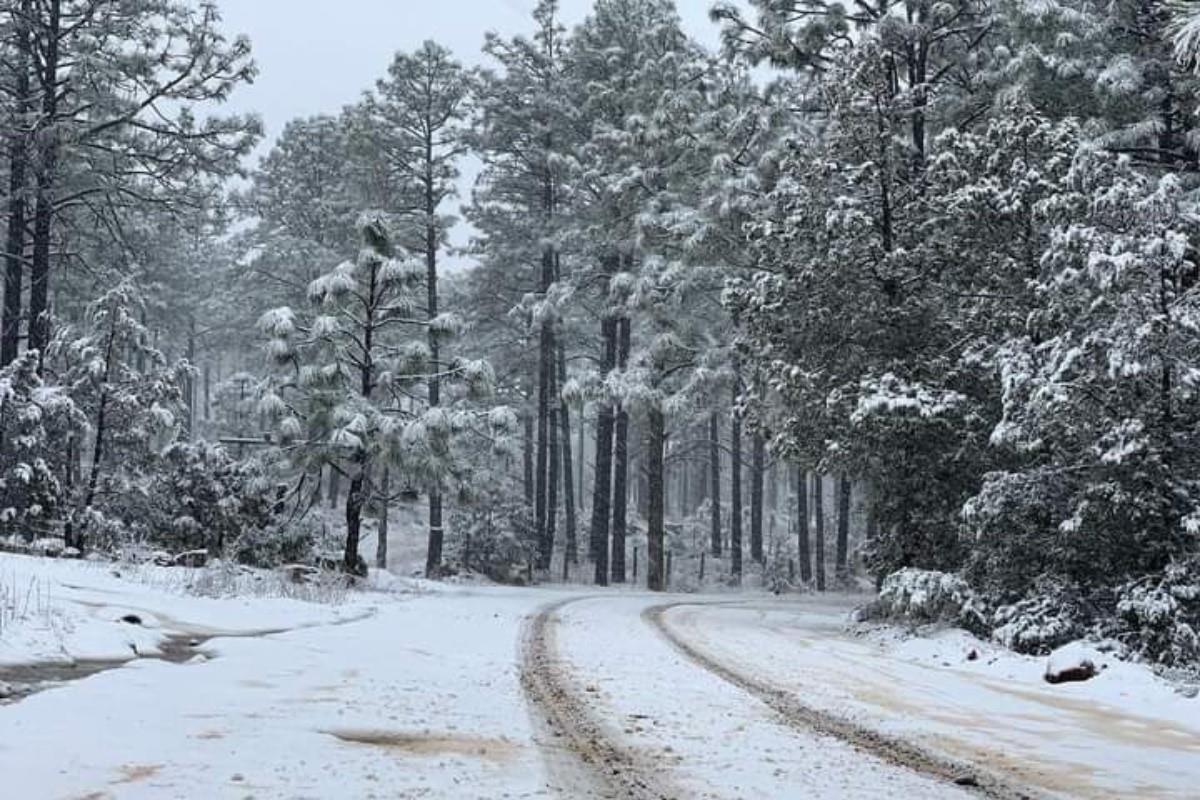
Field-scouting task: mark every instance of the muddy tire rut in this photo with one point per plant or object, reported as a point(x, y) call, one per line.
point(612, 770)
point(807, 719)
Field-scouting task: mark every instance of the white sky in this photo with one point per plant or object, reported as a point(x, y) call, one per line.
point(316, 56)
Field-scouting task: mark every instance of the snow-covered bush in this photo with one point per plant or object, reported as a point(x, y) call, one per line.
point(924, 596)
point(38, 426)
point(283, 541)
point(1158, 618)
point(200, 497)
point(496, 538)
point(1054, 614)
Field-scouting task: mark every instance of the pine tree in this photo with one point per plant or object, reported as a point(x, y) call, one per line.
point(354, 369)
point(114, 84)
point(421, 109)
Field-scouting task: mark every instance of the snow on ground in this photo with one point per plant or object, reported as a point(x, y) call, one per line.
point(420, 699)
point(718, 742)
point(414, 690)
point(1125, 733)
point(64, 611)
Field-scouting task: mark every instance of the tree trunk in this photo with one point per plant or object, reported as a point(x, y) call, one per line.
point(207, 392)
point(528, 459)
point(735, 496)
point(552, 479)
point(568, 482)
point(580, 458)
point(841, 565)
point(819, 513)
point(621, 465)
point(381, 543)
point(758, 458)
point(714, 491)
point(803, 548)
point(772, 505)
point(656, 438)
point(14, 250)
point(433, 557)
point(355, 500)
point(541, 475)
point(335, 486)
point(602, 483)
point(47, 169)
point(190, 381)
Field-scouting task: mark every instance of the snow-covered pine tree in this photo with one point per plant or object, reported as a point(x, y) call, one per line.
point(1098, 394)
point(352, 394)
point(130, 395)
point(845, 318)
point(527, 132)
point(1110, 64)
point(419, 113)
point(115, 86)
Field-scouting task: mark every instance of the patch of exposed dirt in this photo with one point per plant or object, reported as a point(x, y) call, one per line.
point(135, 773)
point(430, 744)
point(209, 736)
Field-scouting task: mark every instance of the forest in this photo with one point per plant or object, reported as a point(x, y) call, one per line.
point(901, 293)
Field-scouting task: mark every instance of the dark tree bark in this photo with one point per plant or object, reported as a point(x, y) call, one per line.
point(190, 381)
point(656, 440)
point(381, 544)
point(758, 457)
point(555, 467)
point(14, 249)
point(735, 498)
point(335, 485)
point(546, 370)
point(602, 483)
point(355, 500)
point(714, 491)
point(621, 463)
point(47, 168)
point(841, 565)
point(433, 556)
point(207, 391)
point(683, 489)
point(528, 459)
point(640, 477)
point(804, 546)
point(568, 482)
point(819, 514)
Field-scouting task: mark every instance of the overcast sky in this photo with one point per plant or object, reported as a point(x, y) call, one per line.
point(315, 56)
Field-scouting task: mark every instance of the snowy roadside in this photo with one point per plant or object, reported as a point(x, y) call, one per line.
point(65, 611)
point(1125, 733)
point(420, 699)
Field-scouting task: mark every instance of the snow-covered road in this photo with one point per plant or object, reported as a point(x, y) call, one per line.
point(469, 692)
point(1124, 734)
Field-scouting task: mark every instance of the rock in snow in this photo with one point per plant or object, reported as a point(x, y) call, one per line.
point(1072, 663)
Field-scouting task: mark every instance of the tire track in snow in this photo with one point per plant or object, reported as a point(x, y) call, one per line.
point(805, 718)
point(613, 770)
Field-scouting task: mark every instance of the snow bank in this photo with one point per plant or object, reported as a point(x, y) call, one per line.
point(54, 611)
